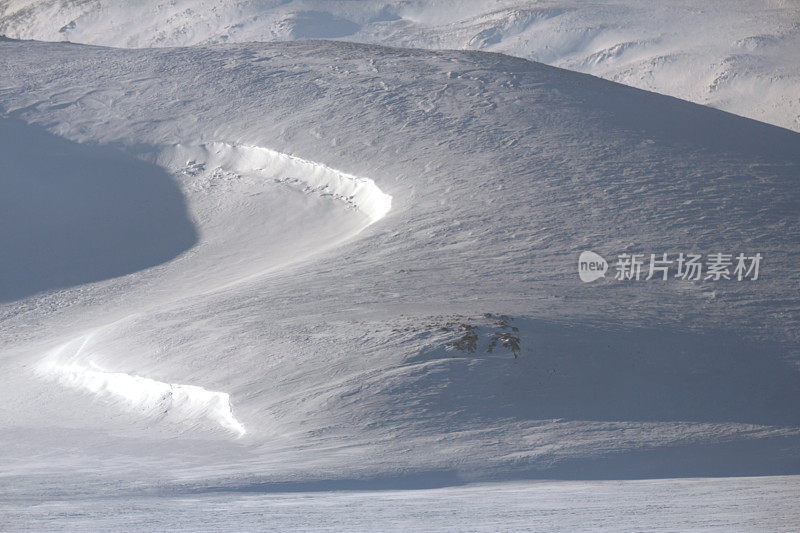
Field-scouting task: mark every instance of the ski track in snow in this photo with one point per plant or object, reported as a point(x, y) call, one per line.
point(71, 363)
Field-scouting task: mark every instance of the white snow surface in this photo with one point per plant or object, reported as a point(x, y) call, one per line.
point(239, 267)
point(726, 504)
point(355, 192)
point(146, 397)
point(736, 55)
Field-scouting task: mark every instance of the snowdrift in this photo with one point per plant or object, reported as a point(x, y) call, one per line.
point(357, 193)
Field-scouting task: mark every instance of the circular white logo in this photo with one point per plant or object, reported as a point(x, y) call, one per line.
point(591, 266)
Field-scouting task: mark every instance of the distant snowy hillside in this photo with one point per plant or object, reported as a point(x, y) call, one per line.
point(736, 55)
point(348, 215)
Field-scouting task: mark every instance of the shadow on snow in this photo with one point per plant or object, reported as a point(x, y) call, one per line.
point(76, 213)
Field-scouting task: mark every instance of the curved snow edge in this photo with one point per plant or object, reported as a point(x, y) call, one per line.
point(155, 399)
point(70, 363)
point(362, 193)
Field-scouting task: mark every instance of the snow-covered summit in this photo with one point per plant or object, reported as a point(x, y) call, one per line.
point(736, 55)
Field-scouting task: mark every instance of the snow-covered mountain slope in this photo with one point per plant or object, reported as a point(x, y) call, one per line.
point(735, 55)
point(351, 210)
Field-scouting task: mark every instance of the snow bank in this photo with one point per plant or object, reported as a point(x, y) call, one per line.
point(144, 396)
point(361, 193)
point(74, 365)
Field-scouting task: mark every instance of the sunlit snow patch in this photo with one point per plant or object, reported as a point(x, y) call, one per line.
point(361, 193)
point(156, 399)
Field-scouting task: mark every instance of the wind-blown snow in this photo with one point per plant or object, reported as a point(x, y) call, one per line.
point(185, 404)
point(323, 321)
point(360, 193)
point(291, 303)
point(736, 55)
point(148, 397)
point(72, 364)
